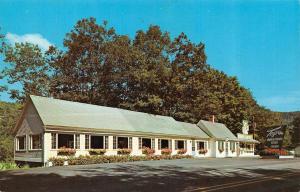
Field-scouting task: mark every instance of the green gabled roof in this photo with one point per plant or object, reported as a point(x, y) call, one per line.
point(216, 130)
point(194, 129)
point(55, 112)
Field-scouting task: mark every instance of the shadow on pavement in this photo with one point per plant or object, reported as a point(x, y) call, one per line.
point(125, 178)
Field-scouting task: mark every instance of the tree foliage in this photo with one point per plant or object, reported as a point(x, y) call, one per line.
point(151, 73)
point(9, 113)
point(296, 130)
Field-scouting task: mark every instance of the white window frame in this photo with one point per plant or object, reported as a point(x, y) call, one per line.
point(18, 142)
point(117, 142)
point(76, 141)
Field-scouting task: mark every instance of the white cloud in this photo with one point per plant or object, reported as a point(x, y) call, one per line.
point(36, 39)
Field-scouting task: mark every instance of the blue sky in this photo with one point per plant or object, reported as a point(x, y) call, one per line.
point(257, 41)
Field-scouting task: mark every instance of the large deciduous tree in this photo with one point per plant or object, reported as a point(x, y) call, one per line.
point(151, 73)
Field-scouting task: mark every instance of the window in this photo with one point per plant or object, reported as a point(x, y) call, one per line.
point(221, 145)
point(114, 142)
point(106, 142)
point(122, 142)
point(35, 142)
point(242, 145)
point(21, 143)
point(53, 140)
point(97, 142)
point(193, 145)
point(130, 142)
point(87, 142)
point(200, 145)
point(152, 143)
point(77, 141)
point(164, 143)
point(146, 142)
point(179, 144)
point(65, 140)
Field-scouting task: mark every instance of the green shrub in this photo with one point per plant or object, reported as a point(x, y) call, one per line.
point(148, 151)
point(10, 165)
point(124, 151)
point(202, 151)
point(57, 161)
point(181, 151)
point(66, 151)
point(97, 151)
point(166, 151)
point(85, 160)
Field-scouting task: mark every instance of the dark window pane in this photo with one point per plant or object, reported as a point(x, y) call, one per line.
point(164, 143)
point(97, 142)
point(66, 141)
point(200, 145)
point(122, 142)
point(180, 144)
point(21, 143)
point(146, 142)
point(36, 142)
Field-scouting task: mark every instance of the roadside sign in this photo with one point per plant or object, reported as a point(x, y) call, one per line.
point(275, 136)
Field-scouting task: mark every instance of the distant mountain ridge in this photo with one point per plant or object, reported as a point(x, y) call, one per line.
point(288, 117)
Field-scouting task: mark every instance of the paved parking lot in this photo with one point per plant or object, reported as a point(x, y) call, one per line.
point(230, 174)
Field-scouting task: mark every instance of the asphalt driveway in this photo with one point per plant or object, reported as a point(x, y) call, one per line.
point(230, 174)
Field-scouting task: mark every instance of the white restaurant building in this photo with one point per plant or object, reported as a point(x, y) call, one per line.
point(48, 124)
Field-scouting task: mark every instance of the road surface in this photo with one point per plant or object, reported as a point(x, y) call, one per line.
point(229, 174)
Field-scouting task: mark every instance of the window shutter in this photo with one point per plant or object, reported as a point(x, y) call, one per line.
point(176, 144)
point(87, 142)
point(140, 143)
point(53, 140)
point(114, 142)
point(105, 142)
point(130, 143)
point(170, 144)
point(185, 144)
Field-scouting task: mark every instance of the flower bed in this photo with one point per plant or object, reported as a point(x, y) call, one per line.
point(202, 151)
point(124, 151)
point(148, 151)
point(85, 160)
point(166, 151)
point(66, 151)
point(274, 153)
point(181, 151)
point(97, 151)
